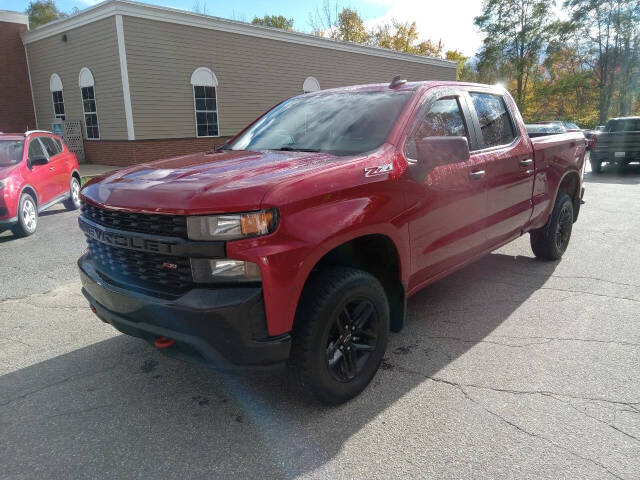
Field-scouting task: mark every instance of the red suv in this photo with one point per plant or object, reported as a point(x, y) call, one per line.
point(37, 170)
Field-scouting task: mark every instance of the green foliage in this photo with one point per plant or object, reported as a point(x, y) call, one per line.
point(42, 12)
point(611, 30)
point(465, 71)
point(403, 37)
point(515, 34)
point(274, 21)
point(350, 27)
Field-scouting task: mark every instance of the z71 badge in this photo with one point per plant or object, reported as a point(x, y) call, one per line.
point(380, 170)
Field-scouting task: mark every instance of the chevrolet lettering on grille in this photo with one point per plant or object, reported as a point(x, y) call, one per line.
point(118, 239)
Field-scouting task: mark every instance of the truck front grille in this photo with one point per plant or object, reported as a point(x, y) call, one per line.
point(165, 225)
point(147, 271)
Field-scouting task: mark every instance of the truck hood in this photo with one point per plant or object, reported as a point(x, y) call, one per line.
point(207, 182)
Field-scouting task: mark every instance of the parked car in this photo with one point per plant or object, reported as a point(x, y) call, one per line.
point(37, 171)
point(618, 144)
point(543, 129)
point(301, 239)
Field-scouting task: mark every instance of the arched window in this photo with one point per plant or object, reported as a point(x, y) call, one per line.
point(205, 102)
point(310, 85)
point(89, 106)
point(55, 87)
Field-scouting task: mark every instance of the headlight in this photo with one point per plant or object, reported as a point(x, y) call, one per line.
point(223, 270)
point(232, 226)
point(4, 183)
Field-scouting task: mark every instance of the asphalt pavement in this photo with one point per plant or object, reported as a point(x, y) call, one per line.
point(510, 368)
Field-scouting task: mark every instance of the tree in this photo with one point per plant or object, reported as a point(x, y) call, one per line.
point(515, 33)
point(345, 25)
point(349, 27)
point(403, 37)
point(274, 21)
point(323, 21)
point(612, 29)
point(42, 12)
point(464, 69)
point(200, 8)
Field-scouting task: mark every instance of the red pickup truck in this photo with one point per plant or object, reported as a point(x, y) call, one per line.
point(301, 239)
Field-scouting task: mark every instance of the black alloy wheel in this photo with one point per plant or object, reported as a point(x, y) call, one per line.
point(564, 227)
point(352, 338)
point(340, 333)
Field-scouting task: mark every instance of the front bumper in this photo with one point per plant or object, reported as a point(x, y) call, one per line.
point(221, 327)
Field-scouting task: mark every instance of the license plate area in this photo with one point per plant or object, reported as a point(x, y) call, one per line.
point(619, 154)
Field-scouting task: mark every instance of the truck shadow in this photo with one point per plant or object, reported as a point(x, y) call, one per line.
point(119, 409)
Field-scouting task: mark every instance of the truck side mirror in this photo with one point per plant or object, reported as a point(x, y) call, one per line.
point(436, 151)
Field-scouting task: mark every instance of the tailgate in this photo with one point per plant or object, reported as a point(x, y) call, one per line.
point(628, 142)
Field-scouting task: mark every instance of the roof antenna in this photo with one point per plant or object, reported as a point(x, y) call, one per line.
point(397, 81)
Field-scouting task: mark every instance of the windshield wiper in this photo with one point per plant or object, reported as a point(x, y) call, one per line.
point(295, 149)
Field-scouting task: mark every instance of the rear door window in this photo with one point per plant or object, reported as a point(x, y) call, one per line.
point(496, 124)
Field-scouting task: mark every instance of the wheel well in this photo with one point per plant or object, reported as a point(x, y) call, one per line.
point(377, 255)
point(31, 192)
point(569, 185)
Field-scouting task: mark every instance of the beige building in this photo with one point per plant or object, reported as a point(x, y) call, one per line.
point(148, 82)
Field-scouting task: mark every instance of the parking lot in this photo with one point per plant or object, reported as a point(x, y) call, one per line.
point(510, 368)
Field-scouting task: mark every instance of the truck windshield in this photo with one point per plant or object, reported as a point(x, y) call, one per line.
point(624, 125)
point(10, 152)
point(341, 123)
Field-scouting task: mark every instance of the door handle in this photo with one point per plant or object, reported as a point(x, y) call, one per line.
point(52, 168)
point(526, 163)
point(477, 174)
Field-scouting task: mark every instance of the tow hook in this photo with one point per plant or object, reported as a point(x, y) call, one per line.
point(164, 342)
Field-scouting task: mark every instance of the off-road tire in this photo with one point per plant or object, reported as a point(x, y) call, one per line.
point(27, 216)
point(551, 241)
point(321, 310)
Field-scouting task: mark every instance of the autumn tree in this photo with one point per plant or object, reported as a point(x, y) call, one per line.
point(403, 37)
point(274, 21)
point(42, 12)
point(612, 27)
point(515, 34)
point(349, 27)
point(465, 70)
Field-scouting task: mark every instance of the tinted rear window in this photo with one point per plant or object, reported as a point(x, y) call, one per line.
point(626, 125)
point(10, 152)
point(495, 121)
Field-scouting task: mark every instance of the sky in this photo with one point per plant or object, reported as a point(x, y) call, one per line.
point(450, 21)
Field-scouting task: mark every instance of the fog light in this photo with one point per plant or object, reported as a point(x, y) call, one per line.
point(223, 270)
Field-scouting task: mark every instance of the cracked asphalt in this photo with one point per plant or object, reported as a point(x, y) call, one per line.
point(510, 368)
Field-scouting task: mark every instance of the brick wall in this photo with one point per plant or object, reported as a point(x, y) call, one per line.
point(16, 105)
point(124, 152)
